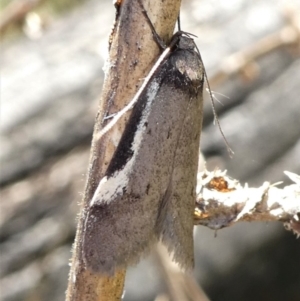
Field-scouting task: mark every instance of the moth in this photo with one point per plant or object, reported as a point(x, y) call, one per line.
point(149, 189)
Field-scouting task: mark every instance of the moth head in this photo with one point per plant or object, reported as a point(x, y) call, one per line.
point(186, 43)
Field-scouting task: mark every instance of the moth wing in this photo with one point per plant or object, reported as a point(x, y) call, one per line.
point(177, 220)
point(121, 223)
point(116, 232)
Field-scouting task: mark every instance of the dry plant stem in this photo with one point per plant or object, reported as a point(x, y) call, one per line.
point(181, 286)
point(223, 202)
point(132, 53)
point(243, 61)
point(16, 11)
point(171, 275)
point(194, 290)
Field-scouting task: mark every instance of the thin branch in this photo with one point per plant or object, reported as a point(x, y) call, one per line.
point(244, 62)
point(181, 286)
point(17, 11)
point(223, 202)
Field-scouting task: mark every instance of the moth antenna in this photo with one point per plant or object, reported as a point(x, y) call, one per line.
point(130, 105)
point(230, 151)
point(158, 39)
point(178, 23)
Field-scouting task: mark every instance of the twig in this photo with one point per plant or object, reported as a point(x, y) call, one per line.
point(16, 11)
point(223, 202)
point(181, 286)
point(243, 62)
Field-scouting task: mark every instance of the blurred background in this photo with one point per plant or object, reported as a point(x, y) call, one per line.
point(52, 54)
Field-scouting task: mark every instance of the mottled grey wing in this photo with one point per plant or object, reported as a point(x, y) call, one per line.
point(177, 222)
point(122, 221)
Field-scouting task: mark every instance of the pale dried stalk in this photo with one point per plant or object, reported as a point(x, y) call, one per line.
point(223, 201)
point(181, 286)
point(244, 62)
point(16, 11)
